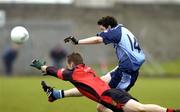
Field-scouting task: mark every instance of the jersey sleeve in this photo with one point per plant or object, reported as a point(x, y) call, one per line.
point(111, 35)
point(50, 70)
point(65, 74)
point(60, 73)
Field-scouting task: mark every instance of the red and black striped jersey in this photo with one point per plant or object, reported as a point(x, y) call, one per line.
point(85, 80)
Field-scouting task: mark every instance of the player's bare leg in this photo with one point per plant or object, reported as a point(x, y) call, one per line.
point(74, 92)
point(106, 78)
point(134, 106)
point(101, 108)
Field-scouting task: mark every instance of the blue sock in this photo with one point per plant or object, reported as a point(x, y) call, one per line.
point(58, 94)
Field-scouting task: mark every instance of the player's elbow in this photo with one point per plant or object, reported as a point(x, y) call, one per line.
point(98, 40)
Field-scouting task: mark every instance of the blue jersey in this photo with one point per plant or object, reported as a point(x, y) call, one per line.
point(128, 51)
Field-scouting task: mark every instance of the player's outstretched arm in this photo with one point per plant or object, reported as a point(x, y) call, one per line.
point(90, 40)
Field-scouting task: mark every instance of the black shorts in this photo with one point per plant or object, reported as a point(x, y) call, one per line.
point(115, 99)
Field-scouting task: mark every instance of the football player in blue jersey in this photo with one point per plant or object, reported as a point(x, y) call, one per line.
point(129, 54)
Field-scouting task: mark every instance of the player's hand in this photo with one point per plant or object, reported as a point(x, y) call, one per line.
point(37, 63)
point(71, 39)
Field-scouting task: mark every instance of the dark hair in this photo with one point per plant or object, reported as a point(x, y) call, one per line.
point(76, 58)
point(106, 21)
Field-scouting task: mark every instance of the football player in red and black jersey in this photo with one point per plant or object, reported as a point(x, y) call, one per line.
point(91, 86)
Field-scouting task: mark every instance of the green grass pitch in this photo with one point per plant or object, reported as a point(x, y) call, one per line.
point(24, 94)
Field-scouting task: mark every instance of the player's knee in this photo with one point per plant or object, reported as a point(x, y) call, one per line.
point(141, 108)
point(100, 108)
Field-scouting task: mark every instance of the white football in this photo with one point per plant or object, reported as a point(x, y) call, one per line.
point(19, 34)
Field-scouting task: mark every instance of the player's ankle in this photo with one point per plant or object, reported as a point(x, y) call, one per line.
point(58, 94)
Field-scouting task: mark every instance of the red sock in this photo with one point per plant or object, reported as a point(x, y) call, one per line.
point(169, 110)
